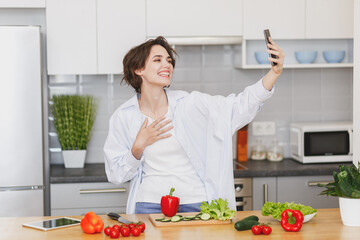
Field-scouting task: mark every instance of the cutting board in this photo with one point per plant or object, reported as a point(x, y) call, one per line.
point(184, 223)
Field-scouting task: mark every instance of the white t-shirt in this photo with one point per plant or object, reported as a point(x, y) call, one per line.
point(167, 165)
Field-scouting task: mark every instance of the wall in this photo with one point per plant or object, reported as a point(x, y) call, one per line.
point(300, 94)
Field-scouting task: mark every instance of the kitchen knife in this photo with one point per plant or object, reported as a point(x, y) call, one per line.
point(119, 218)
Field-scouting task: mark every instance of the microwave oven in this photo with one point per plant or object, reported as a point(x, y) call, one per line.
point(323, 142)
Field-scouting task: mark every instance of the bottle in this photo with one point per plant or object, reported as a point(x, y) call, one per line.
point(275, 152)
point(258, 151)
point(242, 136)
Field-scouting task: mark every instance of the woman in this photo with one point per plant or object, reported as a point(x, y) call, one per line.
point(161, 139)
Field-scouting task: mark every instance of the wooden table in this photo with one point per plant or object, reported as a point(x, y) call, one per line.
point(326, 225)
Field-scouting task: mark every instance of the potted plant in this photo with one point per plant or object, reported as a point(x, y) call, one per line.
point(74, 116)
point(346, 186)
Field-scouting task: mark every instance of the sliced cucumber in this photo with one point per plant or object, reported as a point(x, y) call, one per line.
point(159, 219)
point(166, 220)
point(205, 216)
point(176, 218)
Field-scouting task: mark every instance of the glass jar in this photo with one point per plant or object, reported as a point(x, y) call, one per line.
point(258, 151)
point(275, 152)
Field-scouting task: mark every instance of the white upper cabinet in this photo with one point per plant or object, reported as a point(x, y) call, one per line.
point(71, 36)
point(22, 3)
point(92, 36)
point(284, 18)
point(329, 19)
point(121, 26)
point(189, 18)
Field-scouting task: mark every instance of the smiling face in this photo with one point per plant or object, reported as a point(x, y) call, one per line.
point(158, 68)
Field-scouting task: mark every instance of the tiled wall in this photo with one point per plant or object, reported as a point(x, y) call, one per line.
point(300, 94)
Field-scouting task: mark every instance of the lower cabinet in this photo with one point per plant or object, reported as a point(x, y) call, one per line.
point(299, 189)
point(80, 198)
point(304, 190)
point(264, 189)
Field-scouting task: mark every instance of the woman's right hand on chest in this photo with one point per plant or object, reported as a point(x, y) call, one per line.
point(148, 134)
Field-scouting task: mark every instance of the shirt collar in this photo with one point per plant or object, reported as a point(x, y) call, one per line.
point(173, 97)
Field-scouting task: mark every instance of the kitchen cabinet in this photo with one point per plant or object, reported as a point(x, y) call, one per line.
point(188, 18)
point(71, 37)
point(284, 18)
point(264, 189)
point(121, 26)
point(329, 19)
point(92, 36)
point(80, 198)
point(22, 3)
point(299, 25)
point(298, 189)
point(304, 190)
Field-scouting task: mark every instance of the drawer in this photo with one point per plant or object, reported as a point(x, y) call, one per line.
point(83, 211)
point(88, 195)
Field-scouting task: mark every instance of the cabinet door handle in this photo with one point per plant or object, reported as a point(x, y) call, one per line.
point(110, 190)
point(238, 204)
point(265, 193)
point(315, 183)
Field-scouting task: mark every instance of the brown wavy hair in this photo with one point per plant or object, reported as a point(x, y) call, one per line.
point(136, 58)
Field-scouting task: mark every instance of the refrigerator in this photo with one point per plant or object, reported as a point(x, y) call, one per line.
point(21, 125)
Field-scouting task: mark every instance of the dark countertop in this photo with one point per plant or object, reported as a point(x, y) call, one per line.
point(288, 167)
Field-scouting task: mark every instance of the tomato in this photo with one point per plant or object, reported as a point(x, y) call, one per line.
point(141, 226)
point(124, 225)
point(135, 231)
point(266, 229)
point(114, 233)
point(132, 225)
point(256, 229)
point(125, 231)
point(107, 231)
point(116, 227)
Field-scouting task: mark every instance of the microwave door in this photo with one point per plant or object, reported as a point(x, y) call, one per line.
point(326, 143)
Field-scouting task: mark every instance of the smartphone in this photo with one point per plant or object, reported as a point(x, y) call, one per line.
point(267, 35)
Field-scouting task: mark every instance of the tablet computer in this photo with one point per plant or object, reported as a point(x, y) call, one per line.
point(55, 223)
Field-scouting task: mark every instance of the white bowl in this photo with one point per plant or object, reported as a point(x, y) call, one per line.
point(308, 217)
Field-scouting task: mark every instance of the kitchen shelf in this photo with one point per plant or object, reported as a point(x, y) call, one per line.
point(290, 46)
point(313, 65)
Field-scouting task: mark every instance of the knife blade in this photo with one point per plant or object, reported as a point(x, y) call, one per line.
point(119, 218)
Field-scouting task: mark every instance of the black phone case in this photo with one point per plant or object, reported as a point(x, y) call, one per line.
point(267, 35)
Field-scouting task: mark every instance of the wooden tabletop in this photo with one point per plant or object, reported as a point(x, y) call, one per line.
point(326, 225)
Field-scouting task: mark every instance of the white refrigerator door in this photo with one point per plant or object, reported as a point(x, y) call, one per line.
point(21, 203)
point(21, 145)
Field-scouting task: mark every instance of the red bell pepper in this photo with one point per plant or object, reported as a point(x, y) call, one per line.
point(92, 223)
point(170, 204)
point(291, 220)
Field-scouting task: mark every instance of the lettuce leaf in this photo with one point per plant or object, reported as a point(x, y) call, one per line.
point(276, 209)
point(218, 209)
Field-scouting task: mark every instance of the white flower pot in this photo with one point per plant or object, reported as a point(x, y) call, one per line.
point(74, 158)
point(350, 211)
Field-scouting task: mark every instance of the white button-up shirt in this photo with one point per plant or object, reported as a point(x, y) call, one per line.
point(203, 125)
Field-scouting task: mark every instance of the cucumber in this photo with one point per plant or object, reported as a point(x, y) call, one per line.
point(175, 218)
point(166, 220)
point(245, 225)
point(205, 216)
point(159, 219)
point(252, 217)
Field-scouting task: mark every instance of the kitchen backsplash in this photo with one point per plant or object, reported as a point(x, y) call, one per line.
point(300, 94)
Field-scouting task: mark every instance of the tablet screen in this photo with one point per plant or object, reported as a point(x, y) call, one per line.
point(53, 223)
